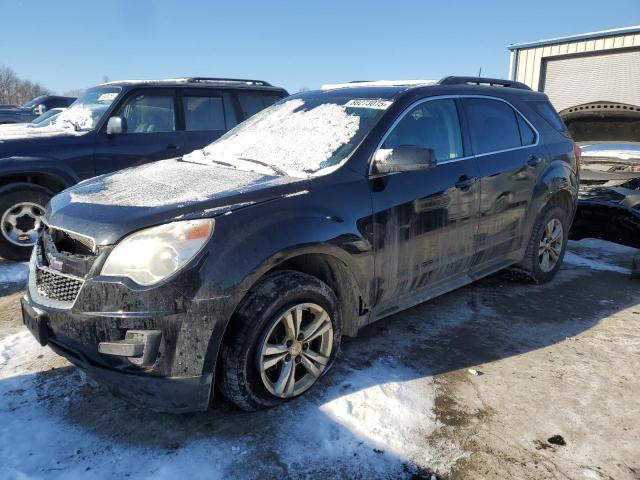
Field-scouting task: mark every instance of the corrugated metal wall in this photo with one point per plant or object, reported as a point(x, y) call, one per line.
point(529, 60)
point(612, 76)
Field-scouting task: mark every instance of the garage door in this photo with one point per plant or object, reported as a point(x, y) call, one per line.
point(611, 77)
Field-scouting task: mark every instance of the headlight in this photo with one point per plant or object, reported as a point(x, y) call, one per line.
point(151, 255)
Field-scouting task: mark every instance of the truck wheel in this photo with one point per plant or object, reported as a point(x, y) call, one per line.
point(284, 337)
point(547, 245)
point(22, 206)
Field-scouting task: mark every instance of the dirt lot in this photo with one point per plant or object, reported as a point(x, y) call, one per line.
point(475, 384)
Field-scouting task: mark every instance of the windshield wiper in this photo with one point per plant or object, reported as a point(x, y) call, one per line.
point(277, 170)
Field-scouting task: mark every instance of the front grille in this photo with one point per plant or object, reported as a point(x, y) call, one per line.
point(49, 287)
point(55, 286)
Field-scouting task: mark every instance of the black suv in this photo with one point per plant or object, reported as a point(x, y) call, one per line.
point(110, 127)
point(33, 108)
point(244, 263)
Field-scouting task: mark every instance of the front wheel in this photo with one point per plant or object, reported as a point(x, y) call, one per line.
point(22, 206)
point(284, 337)
point(547, 245)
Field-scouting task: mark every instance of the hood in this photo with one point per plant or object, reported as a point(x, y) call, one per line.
point(109, 207)
point(13, 133)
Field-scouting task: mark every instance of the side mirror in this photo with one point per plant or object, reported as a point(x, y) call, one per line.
point(39, 109)
point(116, 125)
point(405, 158)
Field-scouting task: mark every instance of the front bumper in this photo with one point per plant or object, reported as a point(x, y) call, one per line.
point(170, 393)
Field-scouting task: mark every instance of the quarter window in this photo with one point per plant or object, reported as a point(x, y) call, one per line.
point(203, 113)
point(493, 125)
point(432, 124)
point(149, 114)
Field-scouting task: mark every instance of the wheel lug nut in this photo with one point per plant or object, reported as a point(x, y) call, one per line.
point(298, 359)
point(287, 358)
point(305, 346)
point(289, 343)
point(300, 337)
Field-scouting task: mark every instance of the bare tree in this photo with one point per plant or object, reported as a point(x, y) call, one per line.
point(14, 90)
point(76, 92)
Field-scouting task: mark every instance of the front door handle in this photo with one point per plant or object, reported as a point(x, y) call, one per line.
point(533, 161)
point(173, 147)
point(465, 182)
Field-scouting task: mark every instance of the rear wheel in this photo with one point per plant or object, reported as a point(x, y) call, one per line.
point(284, 338)
point(22, 206)
point(547, 245)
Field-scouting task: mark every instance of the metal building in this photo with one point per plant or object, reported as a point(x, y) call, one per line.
point(580, 69)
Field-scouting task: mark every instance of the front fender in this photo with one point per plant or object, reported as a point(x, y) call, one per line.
point(15, 166)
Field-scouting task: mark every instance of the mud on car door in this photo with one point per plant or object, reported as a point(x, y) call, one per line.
point(425, 221)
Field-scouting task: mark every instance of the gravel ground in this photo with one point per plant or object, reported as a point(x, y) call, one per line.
point(499, 379)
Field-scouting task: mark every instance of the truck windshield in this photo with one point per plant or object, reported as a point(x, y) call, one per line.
point(303, 136)
point(85, 113)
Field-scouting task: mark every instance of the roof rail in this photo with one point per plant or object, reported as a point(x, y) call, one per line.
point(260, 83)
point(492, 82)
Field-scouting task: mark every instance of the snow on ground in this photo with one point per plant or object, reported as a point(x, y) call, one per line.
point(369, 421)
point(600, 255)
point(372, 416)
point(12, 273)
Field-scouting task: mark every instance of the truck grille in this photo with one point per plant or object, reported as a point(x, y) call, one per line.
point(58, 287)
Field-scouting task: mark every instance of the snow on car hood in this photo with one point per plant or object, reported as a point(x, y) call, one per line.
point(110, 206)
point(296, 140)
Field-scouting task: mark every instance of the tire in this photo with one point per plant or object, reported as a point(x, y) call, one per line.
point(258, 321)
point(533, 263)
point(34, 199)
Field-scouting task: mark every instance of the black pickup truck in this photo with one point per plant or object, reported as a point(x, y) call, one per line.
point(33, 108)
point(110, 127)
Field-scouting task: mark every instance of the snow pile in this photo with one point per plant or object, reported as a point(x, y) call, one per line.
point(297, 141)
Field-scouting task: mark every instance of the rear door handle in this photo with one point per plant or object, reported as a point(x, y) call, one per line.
point(173, 147)
point(533, 161)
point(465, 182)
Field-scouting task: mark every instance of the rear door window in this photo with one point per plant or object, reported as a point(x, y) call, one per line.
point(493, 125)
point(252, 102)
point(203, 113)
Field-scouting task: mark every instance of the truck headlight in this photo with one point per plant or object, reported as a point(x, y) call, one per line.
point(153, 254)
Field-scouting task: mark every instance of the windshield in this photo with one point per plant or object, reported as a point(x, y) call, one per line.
point(85, 113)
point(300, 137)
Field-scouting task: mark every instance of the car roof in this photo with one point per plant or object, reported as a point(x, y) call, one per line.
point(453, 85)
point(197, 82)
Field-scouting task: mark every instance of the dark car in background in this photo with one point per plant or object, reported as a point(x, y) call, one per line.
point(608, 134)
point(110, 127)
point(33, 108)
point(244, 263)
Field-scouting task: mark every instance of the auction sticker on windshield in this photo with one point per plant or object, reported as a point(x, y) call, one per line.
point(107, 97)
point(378, 104)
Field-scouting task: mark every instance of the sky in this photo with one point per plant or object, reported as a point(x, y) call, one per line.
point(67, 45)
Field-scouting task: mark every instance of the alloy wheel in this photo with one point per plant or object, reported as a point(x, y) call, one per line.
point(550, 247)
point(296, 350)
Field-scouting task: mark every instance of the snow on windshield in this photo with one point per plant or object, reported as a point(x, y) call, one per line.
point(296, 140)
point(80, 117)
